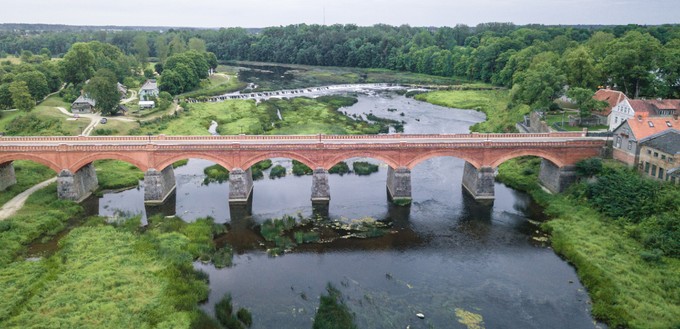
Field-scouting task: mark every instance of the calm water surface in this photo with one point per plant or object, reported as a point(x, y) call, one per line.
point(445, 253)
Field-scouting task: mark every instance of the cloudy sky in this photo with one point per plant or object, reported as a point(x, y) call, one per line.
point(261, 13)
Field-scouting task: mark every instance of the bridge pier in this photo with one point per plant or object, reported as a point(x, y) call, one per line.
point(399, 185)
point(158, 185)
point(321, 192)
point(556, 179)
point(479, 182)
point(77, 187)
point(240, 185)
point(7, 176)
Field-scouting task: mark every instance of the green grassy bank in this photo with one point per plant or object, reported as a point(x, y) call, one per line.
point(629, 289)
point(500, 117)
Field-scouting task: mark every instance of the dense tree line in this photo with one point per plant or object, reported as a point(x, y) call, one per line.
point(535, 61)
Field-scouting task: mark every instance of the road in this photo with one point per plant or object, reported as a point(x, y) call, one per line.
point(12, 206)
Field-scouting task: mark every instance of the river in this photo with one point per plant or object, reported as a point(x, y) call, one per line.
point(448, 257)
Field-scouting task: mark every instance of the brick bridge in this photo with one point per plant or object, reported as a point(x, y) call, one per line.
point(71, 158)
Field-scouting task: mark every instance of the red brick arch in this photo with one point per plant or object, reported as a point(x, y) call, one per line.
point(360, 154)
point(169, 160)
point(460, 154)
point(280, 154)
point(550, 156)
point(141, 165)
point(30, 157)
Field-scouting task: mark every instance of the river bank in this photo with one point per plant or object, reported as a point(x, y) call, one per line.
point(628, 290)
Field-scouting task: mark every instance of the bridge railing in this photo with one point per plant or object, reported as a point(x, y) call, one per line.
point(320, 137)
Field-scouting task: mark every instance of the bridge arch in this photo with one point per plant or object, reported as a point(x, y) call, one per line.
point(283, 154)
point(441, 153)
point(168, 161)
point(555, 159)
point(360, 154)
point(30, 157)
point(108, 156)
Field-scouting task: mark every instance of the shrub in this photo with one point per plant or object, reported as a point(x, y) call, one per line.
point(300, 169)
point(223, 309)
point(332, 312)
point(340, 168)
point(363, 168)
point(244, 316)
point(277, 171)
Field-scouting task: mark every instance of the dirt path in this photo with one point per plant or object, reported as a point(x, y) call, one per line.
point(12, 206)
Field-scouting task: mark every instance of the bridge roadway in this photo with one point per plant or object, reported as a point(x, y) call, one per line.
point(72, 158)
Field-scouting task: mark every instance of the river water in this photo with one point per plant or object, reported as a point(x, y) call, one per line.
point(452, 259)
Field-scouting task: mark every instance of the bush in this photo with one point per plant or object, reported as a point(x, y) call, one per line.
point(363, 168)
point(215, 174)
point(223, 309)
point(332, 312)
point(244, 316)
point(300, 169)
point(589, 167)
point(341, 168)
point(277, 171)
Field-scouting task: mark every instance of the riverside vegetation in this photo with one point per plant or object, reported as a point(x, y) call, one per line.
point(624, 245)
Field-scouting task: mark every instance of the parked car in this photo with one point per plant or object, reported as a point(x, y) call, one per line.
point(103, 121)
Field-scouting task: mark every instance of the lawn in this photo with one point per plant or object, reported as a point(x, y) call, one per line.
point(217, 84)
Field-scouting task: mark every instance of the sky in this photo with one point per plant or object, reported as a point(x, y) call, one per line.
point(263, 13)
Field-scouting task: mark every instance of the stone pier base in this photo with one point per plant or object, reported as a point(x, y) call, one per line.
point(240, 185)
point(321, 191)
point(479, 182)
point(7, 177)
point(556, 179)
point(158, 185)
point(399, 185)
point(78, 186)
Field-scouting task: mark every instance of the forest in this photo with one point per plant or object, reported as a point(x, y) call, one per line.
point(536, 61)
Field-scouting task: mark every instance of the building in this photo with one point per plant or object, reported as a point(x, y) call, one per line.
point(629, 135)
point(146, 105)
point(122, 90)
point(83, 105)
point(629, 108)
point(149, 89)
point(660, 156)
point(612, 97)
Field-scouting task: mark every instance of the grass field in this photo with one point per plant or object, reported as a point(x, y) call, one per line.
point(300, 116)
point(217, 84)
point(494, 103)
point(27, 174)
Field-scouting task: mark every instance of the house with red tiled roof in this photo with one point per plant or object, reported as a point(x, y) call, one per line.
point(612, 97)
point(629, 135)
point(629, 108)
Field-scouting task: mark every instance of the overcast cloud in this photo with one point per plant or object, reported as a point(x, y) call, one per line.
point(261, 13)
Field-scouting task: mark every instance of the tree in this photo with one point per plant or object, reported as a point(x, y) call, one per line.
point(585, 101)
point(176, 45)
point(141, 47)
point(6, 101)
point(670, 68)
point(78, 63)
point(162, 50)
point(21, 97)
point(541, 83)
point(632, 60)
point(36, 82)
point(580, 68)
point(171, 82)
point(197, 45)
point(104, 90)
